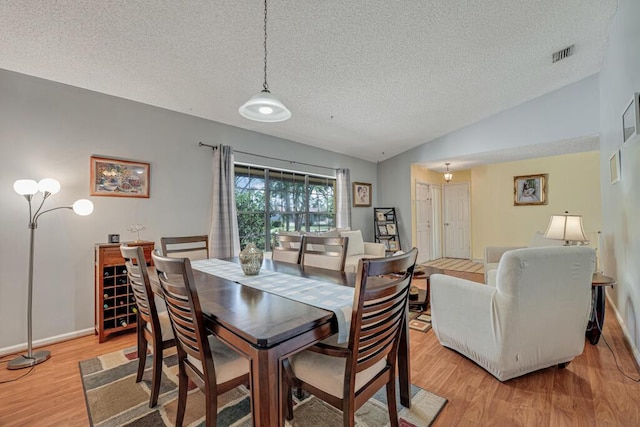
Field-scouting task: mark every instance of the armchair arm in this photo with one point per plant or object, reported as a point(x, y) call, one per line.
point(464, 316)
point(376, 249)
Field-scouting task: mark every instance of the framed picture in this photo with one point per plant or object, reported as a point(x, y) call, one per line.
point(380, 216)
point(614, 167)
point(386, 244)
point(631, 119)
point(119, 178)
point(530, 190)
point(382, 230)
point(361, 194)
point(393, 245)
point(390, 216)
point(391, 229)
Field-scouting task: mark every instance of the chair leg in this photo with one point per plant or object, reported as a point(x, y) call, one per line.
point(183, 384)
point(289, 408)
point(211, 417)
point(142, 354)
point(391, 402)
point(156, 376)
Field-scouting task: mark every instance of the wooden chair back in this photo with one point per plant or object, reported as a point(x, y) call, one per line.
point(379, 311)
point(183, 305)
point(140, 285)
point(152, 327)
point(324, 252)
point(287, 249)
point(378, 317)
point(192, 247)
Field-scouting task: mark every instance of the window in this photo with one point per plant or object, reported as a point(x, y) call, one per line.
point(270, 200)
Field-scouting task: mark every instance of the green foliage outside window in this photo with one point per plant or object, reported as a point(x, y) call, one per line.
point(297, 202)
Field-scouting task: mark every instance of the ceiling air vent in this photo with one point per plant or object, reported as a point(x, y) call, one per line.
point(563, 53)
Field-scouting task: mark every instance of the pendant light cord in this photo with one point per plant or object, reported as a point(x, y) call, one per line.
point(265, 85)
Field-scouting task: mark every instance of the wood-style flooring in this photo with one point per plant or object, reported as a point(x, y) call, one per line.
point(589, 392)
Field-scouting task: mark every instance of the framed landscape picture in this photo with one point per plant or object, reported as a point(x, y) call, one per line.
point(393, 245)
point(530, 190)
point(391, 229)
point(119, 178)
point(361, 195)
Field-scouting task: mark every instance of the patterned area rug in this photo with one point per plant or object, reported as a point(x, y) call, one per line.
point(114, 399)
point(456, 264)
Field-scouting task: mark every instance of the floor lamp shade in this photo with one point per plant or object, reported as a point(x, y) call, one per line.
point(28, 188)
point(566, 227)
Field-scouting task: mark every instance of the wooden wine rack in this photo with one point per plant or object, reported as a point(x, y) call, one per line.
point(116, 309)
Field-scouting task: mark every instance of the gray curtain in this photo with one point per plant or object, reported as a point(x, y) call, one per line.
point(343, 198)
point(224, 240)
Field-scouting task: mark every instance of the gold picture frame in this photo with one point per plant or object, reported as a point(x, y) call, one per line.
point(119, 178)
point(530, 190)
point(361, 195)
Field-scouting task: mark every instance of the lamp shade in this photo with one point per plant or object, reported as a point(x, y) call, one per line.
point(264, 107)
point(25, 187)
point(83, 207)
point(566, 227)
point(49, 185)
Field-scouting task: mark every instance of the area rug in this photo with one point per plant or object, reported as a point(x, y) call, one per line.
point(456, 264)
point(113, 398)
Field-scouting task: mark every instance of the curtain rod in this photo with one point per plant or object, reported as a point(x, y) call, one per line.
point(201, 144)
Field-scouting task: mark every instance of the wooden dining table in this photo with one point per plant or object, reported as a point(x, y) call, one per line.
point(268, 328)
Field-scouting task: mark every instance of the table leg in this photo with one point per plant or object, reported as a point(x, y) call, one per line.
point(597, 315)
point(404, 366)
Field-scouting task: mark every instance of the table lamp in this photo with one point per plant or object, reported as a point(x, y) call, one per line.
point(28, 188)
point(566, 227)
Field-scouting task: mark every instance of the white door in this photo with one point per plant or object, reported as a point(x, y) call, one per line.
point(424, 211)
point(436, 223)
point(457, 223)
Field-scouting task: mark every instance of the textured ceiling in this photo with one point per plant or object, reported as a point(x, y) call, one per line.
point(363, 78)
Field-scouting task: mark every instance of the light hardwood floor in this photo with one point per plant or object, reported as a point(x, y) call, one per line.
point(589, 392)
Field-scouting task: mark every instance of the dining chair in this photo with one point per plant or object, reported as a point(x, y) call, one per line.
point(192, 247)
point(347, 375)
point(287, 249)
point(324, 252)
point(153, 326)
point(202, 357)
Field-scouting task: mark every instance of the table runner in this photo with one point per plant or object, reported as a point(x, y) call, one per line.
point(327, 296)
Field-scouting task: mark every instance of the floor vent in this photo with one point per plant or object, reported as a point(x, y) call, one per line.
point(563, 53)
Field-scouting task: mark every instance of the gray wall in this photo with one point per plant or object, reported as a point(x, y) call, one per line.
point(619, 79)
point(566, 113)
point(51, 130)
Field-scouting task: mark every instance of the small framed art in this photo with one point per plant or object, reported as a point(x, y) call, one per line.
point(119, 178)
point(361, 194)
point(393, 245)
point(391, 229)
point(530, 190)
point(631, 119)
point(614, 167)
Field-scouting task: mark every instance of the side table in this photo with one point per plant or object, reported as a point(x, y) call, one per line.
point(598, 284)
point(423, 272)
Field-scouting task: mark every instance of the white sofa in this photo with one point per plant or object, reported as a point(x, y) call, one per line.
point(357, 248)
point(492, 254)
point(534, 317)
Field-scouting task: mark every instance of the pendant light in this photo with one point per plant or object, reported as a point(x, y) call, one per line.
point(264, 107)
point(448, 176)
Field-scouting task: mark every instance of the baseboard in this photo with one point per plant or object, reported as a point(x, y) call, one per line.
point(625, 332)
point(46, 341)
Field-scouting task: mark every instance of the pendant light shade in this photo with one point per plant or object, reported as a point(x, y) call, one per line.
point(264, 107)
point(448, 176)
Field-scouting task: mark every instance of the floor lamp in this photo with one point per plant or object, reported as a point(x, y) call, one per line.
point(28, 188)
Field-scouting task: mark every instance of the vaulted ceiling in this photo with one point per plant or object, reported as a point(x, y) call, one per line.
point(369, 79)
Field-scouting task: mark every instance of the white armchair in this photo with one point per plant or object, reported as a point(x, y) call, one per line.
point(534, 317)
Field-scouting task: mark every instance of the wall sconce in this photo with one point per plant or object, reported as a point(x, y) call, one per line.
point(28, 188)
point(448, 176)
